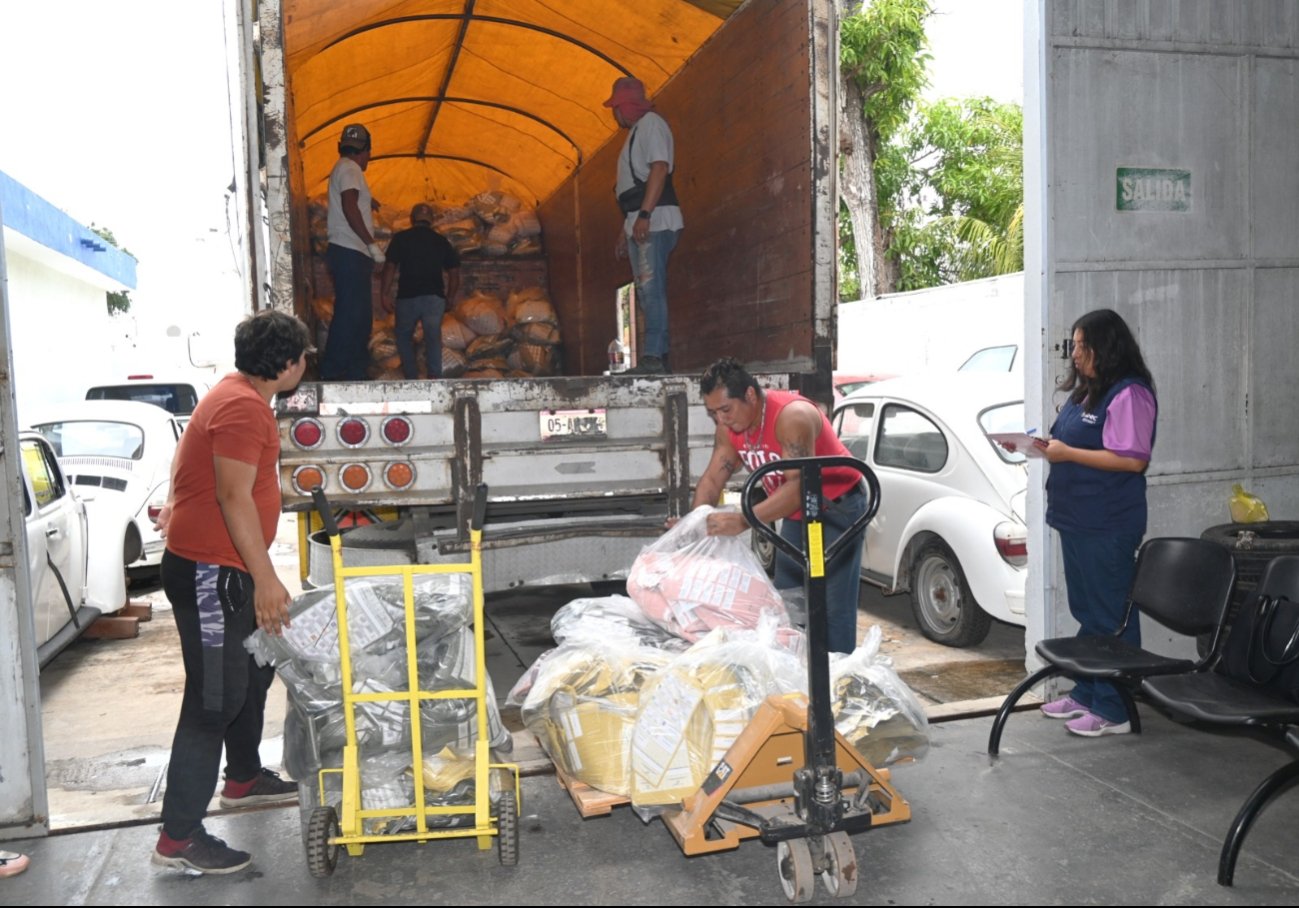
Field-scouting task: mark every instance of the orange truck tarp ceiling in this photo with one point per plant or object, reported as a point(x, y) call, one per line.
point(462, 97)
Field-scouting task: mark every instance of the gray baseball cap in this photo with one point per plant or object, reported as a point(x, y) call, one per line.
point(355, 136)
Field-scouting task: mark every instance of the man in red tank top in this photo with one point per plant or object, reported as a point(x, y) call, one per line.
point(755, 427)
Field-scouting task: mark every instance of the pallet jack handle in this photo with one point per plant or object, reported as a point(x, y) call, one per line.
point(322, 507)
point(480, 507)
point(819, 783)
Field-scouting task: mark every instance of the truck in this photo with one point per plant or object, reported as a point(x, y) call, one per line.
point(584, 467)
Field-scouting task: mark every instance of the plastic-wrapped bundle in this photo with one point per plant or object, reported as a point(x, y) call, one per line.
point(482, 313)
point(383, 345)
point(692, 711)
point(444, 216)
point(526, 246)
point(610, 617)
point(529, 305)
point(323, 309)
point(494, 206)
point(539, 359)
point(874, 709)
point(539, 333)
point(455, 334)
point(582, 708)
point(690, 582)
point(463, 234)
point(318, 223)
point(487, 369)
point(526, 224)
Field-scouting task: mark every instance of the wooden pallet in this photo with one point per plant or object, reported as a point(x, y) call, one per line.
point(590, 802)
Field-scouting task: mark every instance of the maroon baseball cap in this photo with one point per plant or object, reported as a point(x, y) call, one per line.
point(628, 88)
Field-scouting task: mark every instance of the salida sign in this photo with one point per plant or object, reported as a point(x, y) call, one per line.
point(1153, 189)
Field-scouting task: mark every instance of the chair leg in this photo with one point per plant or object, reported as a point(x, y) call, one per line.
point(998, 723)
point(1249, 812)
point(1129, 704)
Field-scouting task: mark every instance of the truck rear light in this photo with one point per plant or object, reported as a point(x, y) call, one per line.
point(1012, 543)
point(397, 430)
point(306, 478)
point(355, 477)
point(398, 474)
point(307, 433)
point(353, 432)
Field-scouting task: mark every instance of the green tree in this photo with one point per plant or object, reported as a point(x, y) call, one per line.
point(118, 300)
point(954, 184)
point(881, 73)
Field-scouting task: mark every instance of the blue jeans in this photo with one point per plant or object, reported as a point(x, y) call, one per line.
point(649, 269)
point(1098, 572)
point(347, 351)
point(842, 575)
point(411, 311)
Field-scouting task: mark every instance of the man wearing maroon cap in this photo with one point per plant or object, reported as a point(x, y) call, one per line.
point(652, 219)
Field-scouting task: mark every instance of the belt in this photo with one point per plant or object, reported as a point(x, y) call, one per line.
point(855, 490)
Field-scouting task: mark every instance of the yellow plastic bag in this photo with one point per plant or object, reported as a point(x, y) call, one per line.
point(1244, 507)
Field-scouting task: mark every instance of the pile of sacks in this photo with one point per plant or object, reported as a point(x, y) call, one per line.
point(492, 223)
point(644, 695)
point(306, 658)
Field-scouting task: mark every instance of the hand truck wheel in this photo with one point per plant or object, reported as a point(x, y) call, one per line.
point(507, 829)
point(322, 857)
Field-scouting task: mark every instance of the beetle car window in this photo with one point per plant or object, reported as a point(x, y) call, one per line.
point(90, 437)
point(853, 424)
point(47, 482)
point(909, 440)
point(1004, 418)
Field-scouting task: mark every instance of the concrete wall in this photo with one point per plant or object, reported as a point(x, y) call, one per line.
point(936, 328)
point(1206, 93)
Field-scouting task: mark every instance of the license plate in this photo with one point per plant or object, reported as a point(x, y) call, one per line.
point(573, 424)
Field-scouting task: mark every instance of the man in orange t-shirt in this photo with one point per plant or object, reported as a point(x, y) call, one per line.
point(219, 522)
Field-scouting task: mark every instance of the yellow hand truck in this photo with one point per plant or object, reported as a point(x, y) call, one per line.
point(327, 828)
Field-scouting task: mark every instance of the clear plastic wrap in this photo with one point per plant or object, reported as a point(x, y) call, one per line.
point(605, 617)
point(693, 709)
point(582, 707)
point(689, 582)
point(874, 709)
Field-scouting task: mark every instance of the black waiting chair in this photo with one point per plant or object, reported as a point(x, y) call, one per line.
point(1184, 584)
point(1218, 699)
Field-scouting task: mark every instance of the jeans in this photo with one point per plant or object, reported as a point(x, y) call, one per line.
point(347, 351)
point(1098, 572)
point(225, 691)
point(649, 269)
point(842, 575)
point(411, 311)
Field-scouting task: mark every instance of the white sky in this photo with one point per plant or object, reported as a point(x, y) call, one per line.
point(118, 113)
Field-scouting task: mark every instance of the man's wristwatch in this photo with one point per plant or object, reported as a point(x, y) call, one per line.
point(643, 215)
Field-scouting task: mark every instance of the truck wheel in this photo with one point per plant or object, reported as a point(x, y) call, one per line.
point(941, 599)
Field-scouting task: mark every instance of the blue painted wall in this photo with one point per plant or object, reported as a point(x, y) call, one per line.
point(38, 220)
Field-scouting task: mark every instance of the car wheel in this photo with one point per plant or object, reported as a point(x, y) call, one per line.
point(941, 599)
point(132, 545)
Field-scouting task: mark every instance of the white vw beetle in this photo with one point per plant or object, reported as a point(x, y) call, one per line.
point(951, 526)
point(68, 592)
point(117, 455)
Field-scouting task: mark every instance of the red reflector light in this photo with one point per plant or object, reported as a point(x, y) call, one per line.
point(397, 430)
point(307, 433)
point(154, 511)
point(138, 377)
point(353, 432)
point(1012, 543)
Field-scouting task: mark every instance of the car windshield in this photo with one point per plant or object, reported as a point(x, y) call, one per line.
point(174, 398)
point(95, 438)
point(1004, 418)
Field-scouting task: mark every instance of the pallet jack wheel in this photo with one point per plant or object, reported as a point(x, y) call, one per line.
point(507, 829)
point(322, 857)
point(794, 861)
point(840, 873)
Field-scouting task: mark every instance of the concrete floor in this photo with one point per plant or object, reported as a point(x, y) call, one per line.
point(1055, 820)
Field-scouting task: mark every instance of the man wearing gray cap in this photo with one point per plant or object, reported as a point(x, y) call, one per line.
point(351, 256)
point(651, 217)
point(418, 258)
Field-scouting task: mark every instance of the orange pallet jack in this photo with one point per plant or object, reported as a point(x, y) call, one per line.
point(790, 779)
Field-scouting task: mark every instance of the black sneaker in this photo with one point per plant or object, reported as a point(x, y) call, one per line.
point(266, 788)
point(648, 365)
point(200, 852)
